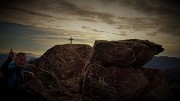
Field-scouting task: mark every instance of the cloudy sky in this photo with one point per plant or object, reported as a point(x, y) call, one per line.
point(34, 26)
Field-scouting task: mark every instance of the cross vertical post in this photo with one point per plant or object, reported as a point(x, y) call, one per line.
point(71, 40)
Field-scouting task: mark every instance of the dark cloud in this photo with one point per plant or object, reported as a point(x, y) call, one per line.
point(169, 15)
point(85, 27)
point(124, 26)
point(91, 29)
point(122, 34)
point(57, 6)
point(147, 4)
point(137, 24)
point(167, 11)
point(88, 19)
point(95, 30)
point(151, 34)
point(27, 12)
point(72, 9)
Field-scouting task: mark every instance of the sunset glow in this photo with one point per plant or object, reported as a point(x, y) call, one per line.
point(37, 25)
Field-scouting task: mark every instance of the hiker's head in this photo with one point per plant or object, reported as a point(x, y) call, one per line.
point(20, 59)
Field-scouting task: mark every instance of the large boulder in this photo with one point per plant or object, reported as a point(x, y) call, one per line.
point(115, 73)
point(112, 83)
point(125, 53)
point(157, 89)
point(59, 69)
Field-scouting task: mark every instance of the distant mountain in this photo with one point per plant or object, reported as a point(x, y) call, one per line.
point(163, 63)
point(30, 57)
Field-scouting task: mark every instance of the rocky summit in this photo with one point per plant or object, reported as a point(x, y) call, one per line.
point(115, 73)
point(108, 71)
point(59, 69)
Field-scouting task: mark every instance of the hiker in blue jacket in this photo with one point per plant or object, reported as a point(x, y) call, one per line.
point(4, 74)
point(18, 75)
point(5, 65)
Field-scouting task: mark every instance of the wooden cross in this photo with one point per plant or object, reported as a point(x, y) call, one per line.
point(71, 40)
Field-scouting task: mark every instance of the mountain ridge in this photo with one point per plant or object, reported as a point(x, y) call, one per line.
point(163, 62)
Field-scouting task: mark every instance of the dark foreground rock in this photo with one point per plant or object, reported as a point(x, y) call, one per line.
point(115, 73)
point(58, 71)
point(125, 53)
point(112, 83)
point(110, 71)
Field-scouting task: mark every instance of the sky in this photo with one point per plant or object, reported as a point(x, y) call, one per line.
point(34, 26)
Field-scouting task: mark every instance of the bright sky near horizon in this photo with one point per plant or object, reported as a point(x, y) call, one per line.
point(33, 26)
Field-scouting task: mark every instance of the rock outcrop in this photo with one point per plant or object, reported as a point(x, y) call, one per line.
point(125, 53)
point(115, 73)
point(110, 71)
point(59, 69)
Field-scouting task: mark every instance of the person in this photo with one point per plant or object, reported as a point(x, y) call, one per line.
point(4, 74)
point(5, 65)
point(17, 77)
